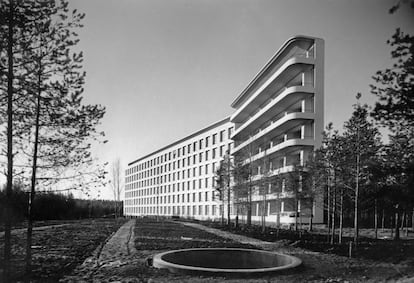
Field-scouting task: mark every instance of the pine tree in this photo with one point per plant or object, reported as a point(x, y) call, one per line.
point(361, 146)
point(53, 129)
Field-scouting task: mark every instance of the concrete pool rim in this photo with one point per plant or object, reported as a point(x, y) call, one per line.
point(159, 262)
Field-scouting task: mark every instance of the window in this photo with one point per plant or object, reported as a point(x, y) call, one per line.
point(222, 135)
point(206, 169)
point(207, 140)
point(214, 138)
point(200, 144)
point(200, 170)
point(206, 155)
point(194, 146)
point(206, 182)
point(200, 197)
point(214, 153)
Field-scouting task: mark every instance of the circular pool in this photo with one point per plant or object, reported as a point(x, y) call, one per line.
point(224, 260)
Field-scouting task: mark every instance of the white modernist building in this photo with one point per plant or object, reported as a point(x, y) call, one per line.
point(178, 180)
point(277, 123)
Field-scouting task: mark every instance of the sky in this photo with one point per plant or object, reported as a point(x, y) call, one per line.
point(167, 68)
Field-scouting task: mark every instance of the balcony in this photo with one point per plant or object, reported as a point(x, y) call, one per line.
point(280, 104)
point(280, 148)
point(280, 79)
point(279, 127)
point(297, 46)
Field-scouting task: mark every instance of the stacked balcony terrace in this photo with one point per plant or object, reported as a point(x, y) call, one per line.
point(291, 68)
point(275, 115)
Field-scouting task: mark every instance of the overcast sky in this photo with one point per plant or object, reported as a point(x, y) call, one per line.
point(167, 68)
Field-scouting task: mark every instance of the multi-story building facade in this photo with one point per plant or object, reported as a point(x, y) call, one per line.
point(277, 123)
point(179, 179)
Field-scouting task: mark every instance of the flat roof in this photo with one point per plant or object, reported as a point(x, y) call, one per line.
point(240, 98)
point(227, 119)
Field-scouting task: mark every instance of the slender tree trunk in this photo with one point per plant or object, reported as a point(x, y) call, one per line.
point(249, 204)
point(406, 224)
point(341, 216)
point(222, 208)
point(296, 211)
point(264, 213)
point(383, 220)
point(397, 227)
point(9, 186)
point(329, 212)
point(310, 223)
point(356, 210)
point(33, 180)
point(333, 214)
point(228, 207)
point(228, 192)
point(403, 220)
point(376, 219)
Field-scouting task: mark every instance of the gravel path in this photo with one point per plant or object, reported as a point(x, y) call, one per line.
point(113, 253)
point(270, 246)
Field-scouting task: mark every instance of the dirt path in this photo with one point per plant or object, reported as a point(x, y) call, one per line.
point(112, 254)
point(270, 246)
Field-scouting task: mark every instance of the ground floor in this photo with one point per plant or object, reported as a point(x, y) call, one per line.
point(274, 212)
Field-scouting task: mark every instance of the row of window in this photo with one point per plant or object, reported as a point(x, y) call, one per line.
point(171, 177)
point(177, 165)
point(171, 199)
point(131, 189)
point(178, 210)
point(187, 149)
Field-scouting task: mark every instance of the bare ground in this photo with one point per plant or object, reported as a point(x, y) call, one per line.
point(152, 237)
point(59, 248)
